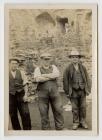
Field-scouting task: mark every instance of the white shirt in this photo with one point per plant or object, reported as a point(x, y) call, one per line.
point(55, 72)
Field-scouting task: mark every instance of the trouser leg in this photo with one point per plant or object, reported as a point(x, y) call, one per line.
point(44, 111)
point(82, 110)
point(24, 113)
point(56, 105)
point(13, 112)
point(75, 109)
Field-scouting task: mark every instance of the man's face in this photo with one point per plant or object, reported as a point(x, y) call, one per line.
point(46, 62)
point(75, 59)
point(13, 65)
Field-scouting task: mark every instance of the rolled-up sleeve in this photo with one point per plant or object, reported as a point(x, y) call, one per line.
point(55, 72)
point(37, 72)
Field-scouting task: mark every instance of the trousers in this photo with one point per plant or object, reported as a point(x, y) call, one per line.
point(16, 104)
point(78, 101)
point(53, 98)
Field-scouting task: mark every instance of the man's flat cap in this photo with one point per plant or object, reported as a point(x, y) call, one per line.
point(46, 55)
point(14, 59)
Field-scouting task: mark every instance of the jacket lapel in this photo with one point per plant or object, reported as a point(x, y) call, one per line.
point(82, 72)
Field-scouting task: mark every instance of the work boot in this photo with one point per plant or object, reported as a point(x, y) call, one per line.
point(75, 126)
point(84, 125)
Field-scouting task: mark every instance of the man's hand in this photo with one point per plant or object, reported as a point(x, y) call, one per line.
point(25, 98)
point(68, 96)
point(87, 93)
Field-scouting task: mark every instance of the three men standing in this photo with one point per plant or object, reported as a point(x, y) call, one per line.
point(75, 83)
point(76, 87)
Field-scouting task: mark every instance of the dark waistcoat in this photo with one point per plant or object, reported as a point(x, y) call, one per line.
point(15, 84)
point(77, 80)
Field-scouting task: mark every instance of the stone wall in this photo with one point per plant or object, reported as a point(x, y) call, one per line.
point(36, 31)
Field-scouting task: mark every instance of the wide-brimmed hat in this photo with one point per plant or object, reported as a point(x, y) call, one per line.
point(75, 53)
point(14, 59)
point(46, 56)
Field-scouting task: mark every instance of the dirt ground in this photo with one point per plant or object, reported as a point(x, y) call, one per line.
point(36, 120)
point(68, 119)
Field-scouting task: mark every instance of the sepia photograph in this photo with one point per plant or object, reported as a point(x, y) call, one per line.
point(51, 69)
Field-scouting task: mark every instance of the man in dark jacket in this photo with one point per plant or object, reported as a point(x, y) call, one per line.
point(76, 87)
point(18, 93)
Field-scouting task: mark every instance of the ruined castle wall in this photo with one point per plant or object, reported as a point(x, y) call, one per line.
point(29, 34)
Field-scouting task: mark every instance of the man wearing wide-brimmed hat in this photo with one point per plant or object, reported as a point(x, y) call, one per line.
point(18, 93)
point(46, 76)
point(76, 86)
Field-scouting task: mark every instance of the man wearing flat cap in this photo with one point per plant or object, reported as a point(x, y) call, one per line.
point(18, 93)
point(76, 86)
point(46, 76)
